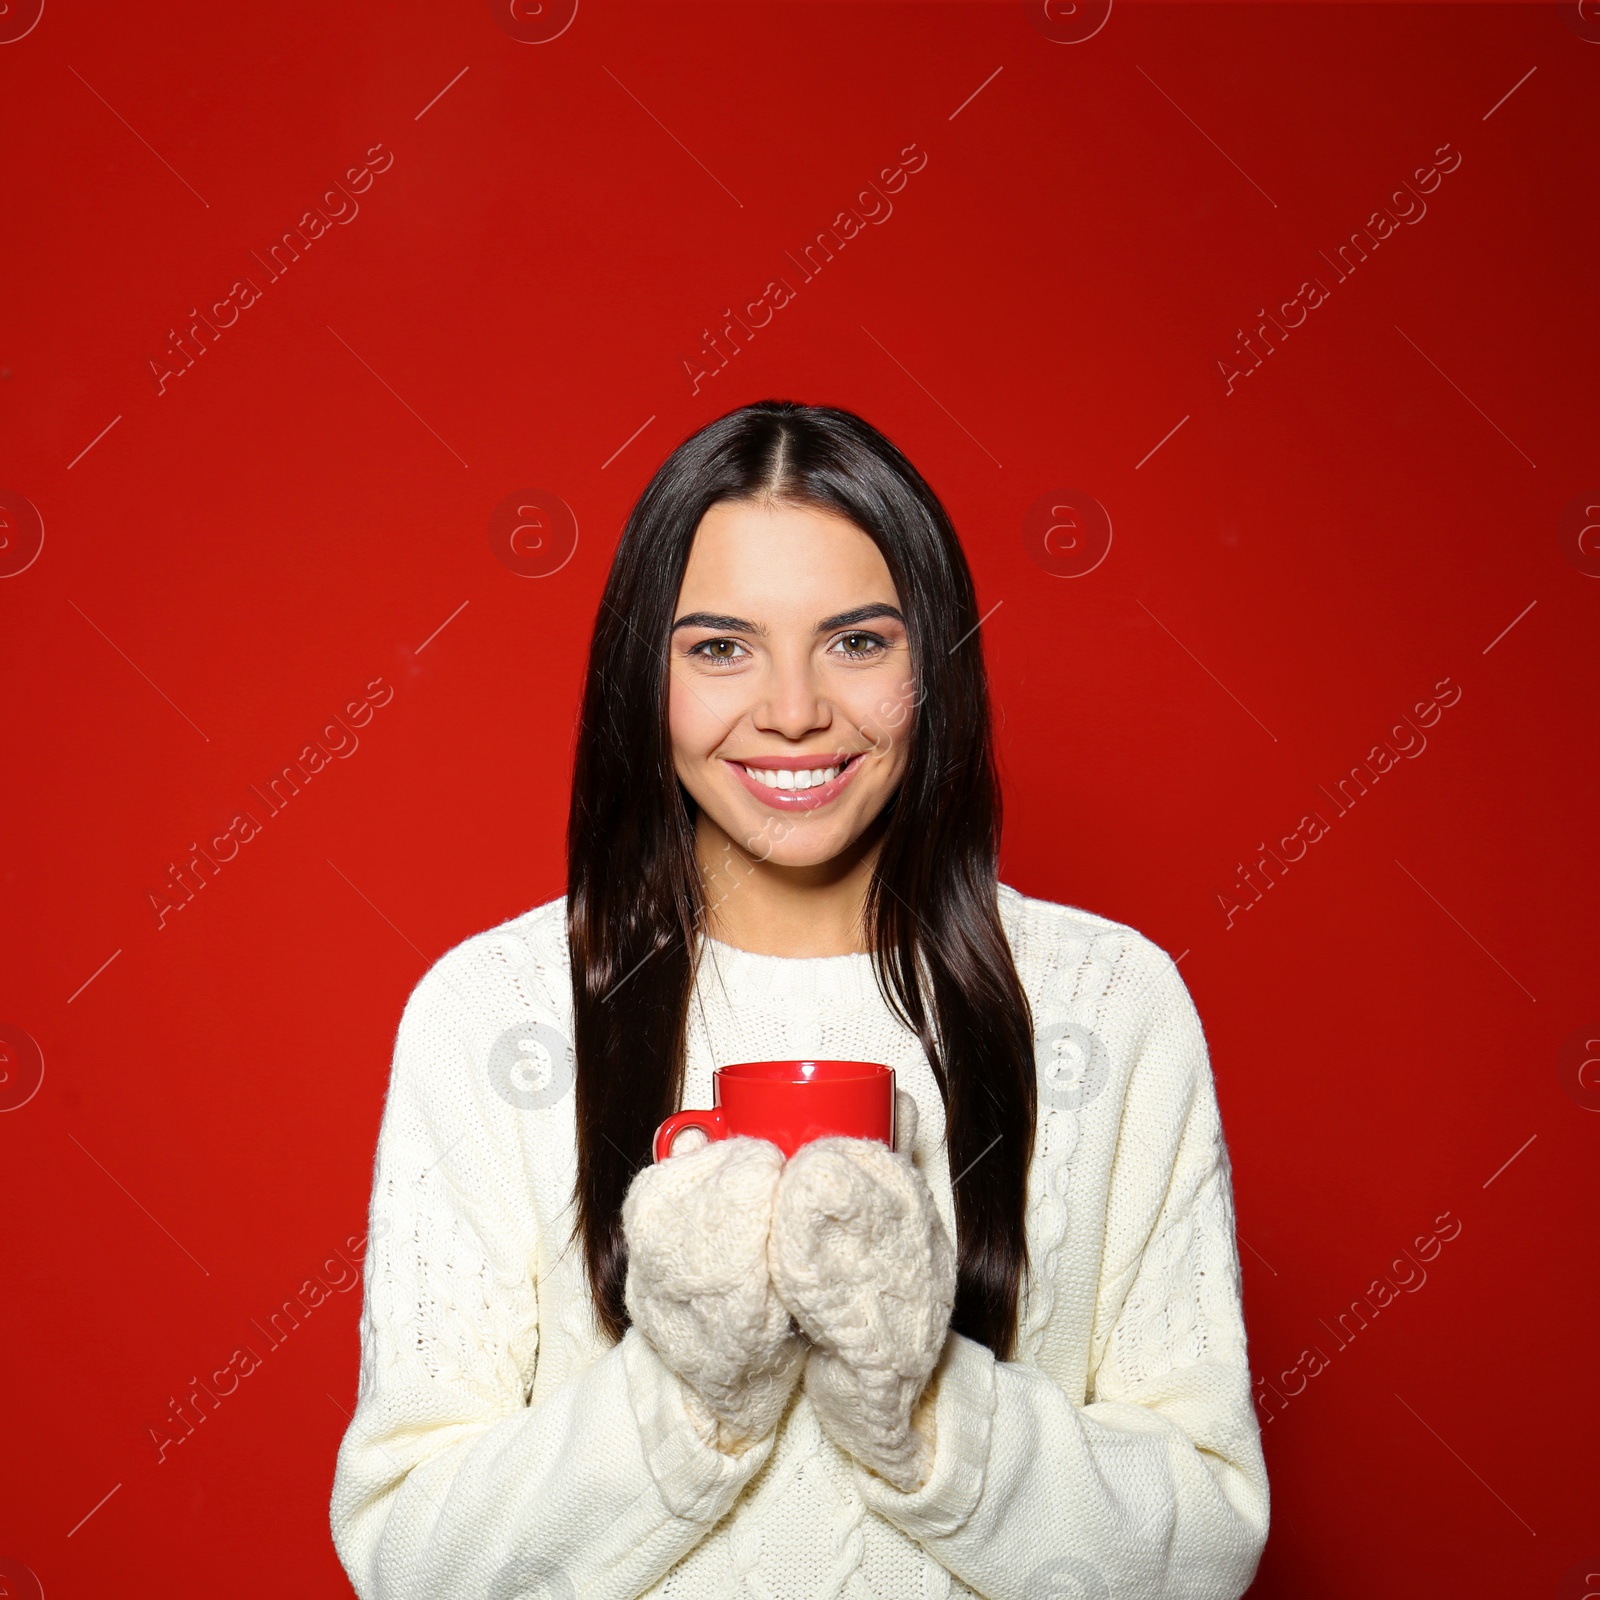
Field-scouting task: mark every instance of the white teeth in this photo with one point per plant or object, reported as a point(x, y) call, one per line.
point(784, 778)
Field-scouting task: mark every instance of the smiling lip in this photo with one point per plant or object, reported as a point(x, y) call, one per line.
point(797, 799)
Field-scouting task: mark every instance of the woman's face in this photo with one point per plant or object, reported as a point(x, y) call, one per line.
point(791, 687)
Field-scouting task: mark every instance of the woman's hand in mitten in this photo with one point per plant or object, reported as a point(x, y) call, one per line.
point(698, 1286)
point(860, 1256)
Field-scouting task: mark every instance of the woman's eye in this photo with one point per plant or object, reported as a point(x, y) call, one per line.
point(718, 650)
point(859, 646)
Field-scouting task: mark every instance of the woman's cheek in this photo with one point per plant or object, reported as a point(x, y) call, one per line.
point(695, 718)
point(885, 718)
point(885, 738)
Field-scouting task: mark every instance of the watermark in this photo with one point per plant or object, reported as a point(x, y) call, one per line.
point(1577, 532)
point(1067, 532)
point(1405, 741)
point(336, 207)
point(21, 1071)
point(719, 884)
point(1066, 1578)
point(1404, 1275)
point(1068, 21)
point(17, 20)
point(1405, 206)
point(21, 533)
point(337, 741)
point(1580, 1582)
point(337, 1275)
point(1583, 17)
point(18, 1582)
point(533, 21)
point(894, 712)
point(1578, 1066)
point(1073, 1065)
point(871, 206)
point(533, 533)
point(532, 1066)
point(721, 880)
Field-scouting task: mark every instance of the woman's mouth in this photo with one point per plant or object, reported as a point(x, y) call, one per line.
point(797, 783)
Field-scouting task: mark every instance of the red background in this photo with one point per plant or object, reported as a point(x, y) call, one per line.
point(1290, 572)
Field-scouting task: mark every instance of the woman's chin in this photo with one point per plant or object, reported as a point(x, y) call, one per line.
point(787, 840)
point(801, 858)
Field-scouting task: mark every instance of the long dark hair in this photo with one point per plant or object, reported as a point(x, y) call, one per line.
point(635, 911)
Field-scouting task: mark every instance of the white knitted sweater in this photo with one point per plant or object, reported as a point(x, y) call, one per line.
point(502, 1449)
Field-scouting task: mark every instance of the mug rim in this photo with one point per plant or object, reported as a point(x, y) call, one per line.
point(747, 1071)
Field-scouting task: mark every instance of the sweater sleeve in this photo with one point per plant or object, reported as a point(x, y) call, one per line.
point(448, 1482)
point(1151, 1486)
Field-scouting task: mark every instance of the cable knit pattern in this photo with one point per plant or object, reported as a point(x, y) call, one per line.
point(502, 1449)
point(859, 1255)
point(697, 1227)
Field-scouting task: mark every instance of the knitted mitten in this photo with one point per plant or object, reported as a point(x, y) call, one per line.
point(698, 1287)
point(859, 1254)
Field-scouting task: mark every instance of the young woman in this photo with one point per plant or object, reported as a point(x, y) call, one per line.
point(1006, 1360)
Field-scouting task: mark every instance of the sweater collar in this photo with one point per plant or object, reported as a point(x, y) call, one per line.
point(748, 978)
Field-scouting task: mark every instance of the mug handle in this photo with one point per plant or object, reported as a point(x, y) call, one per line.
point(711, 1123)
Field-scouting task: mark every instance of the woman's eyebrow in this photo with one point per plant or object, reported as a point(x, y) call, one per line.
point(848, 619)
point(713, 619)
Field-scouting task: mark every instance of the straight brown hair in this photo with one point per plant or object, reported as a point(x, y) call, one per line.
point(635, 908)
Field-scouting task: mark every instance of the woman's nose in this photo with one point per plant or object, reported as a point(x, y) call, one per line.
point(792, 705)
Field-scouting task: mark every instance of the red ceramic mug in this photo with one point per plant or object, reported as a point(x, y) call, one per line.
point(791, 1103)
